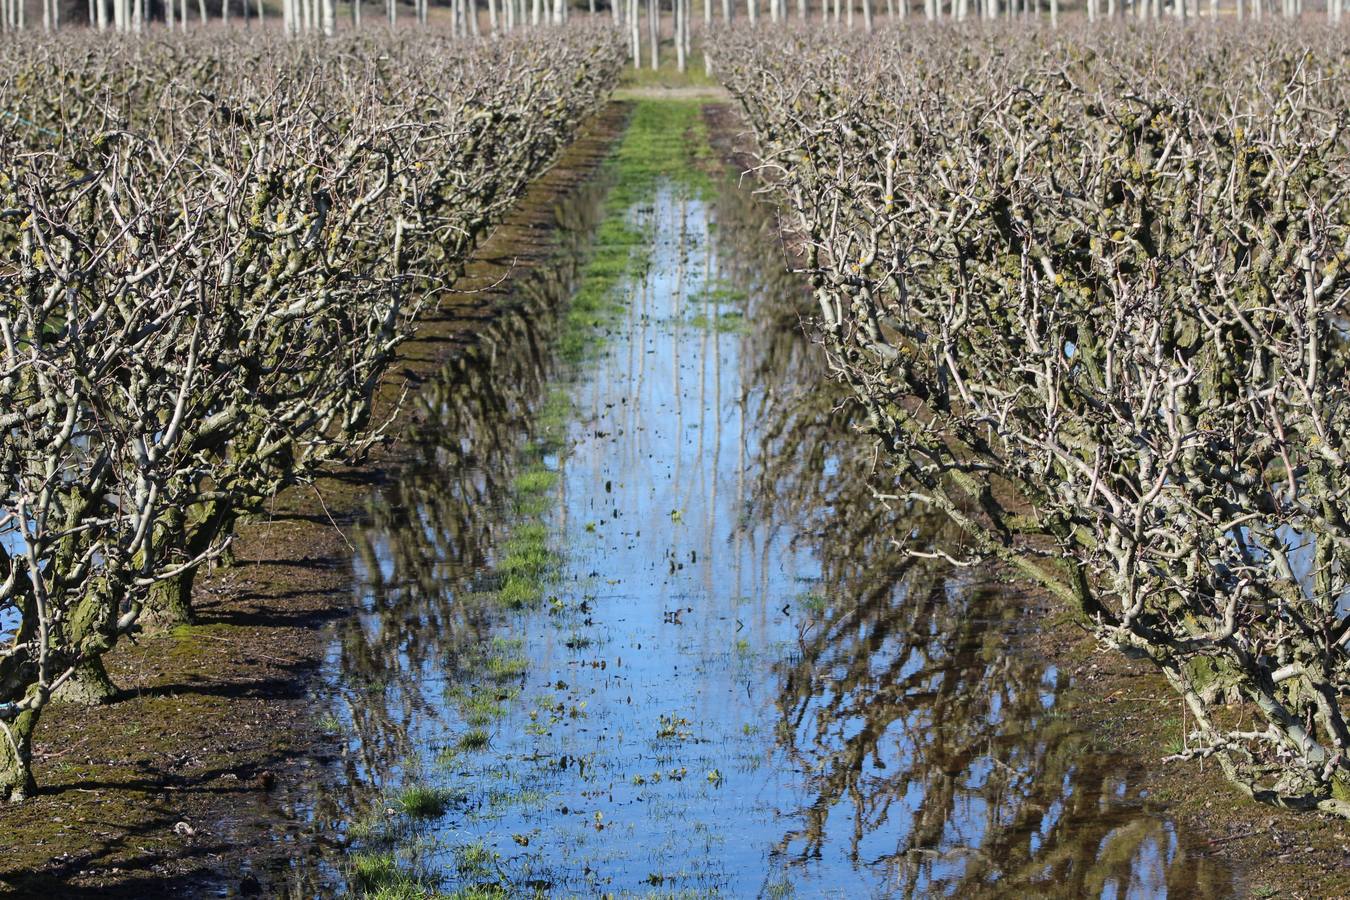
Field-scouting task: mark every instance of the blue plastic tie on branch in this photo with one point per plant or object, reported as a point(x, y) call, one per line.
point(18, 118)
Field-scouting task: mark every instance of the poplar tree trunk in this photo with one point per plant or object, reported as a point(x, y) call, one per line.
point(654, 31)
point(688, 23)
point(677, 12)
point(635, 32)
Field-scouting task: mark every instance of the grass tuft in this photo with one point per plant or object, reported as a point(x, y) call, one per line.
point(423, 801)
point(473, 739)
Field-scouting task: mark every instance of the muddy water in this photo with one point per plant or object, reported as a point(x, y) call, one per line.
point(638, 624)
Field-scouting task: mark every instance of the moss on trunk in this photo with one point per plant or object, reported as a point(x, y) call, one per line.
point(89, 685)
point(16, 758)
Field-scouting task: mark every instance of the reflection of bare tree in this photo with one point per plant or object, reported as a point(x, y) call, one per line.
point(423, 550)
point(930, 746)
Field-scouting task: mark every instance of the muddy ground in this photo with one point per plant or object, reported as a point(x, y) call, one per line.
point(178, 788)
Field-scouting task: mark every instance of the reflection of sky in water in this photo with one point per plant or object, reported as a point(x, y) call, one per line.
point(690, 722)
point(12, 542)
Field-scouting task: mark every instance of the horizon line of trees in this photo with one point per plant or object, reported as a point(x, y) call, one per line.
point(321, 16)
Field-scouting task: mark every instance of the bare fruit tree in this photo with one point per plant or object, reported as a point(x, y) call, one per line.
point(1091, 292)
point(206, 267)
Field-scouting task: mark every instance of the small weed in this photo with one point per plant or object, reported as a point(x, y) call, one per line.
point(480, 892)
point(674, 727)
point(537, 480)
point(520, 592)
point(474, 739)
point(423, 802)
point(331, 724)
point(405, 888)
point(577, 641)
point(474, 860)
point(370, 828)
point(372, 870)
point(814, 603)
point(479, 710)
point(502, 667)
point(726, 323)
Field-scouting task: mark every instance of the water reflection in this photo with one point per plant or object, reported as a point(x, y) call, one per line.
point(934, 749)
point(741, 683)
point(429, 530)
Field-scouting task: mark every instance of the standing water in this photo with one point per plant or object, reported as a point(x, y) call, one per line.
point(636, 623)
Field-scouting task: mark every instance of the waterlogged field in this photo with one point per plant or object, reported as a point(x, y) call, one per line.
point(630, 628)
point(579, 514)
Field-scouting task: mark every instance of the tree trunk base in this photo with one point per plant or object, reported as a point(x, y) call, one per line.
point(16, 764)
point(89, 686)
point(169, 603)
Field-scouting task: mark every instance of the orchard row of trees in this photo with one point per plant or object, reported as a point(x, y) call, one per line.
point(1091, 290)
point(209, 253)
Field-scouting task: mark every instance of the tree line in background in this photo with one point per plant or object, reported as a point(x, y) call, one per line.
point(207, 262)
point(1091, 291)
point(463, 16)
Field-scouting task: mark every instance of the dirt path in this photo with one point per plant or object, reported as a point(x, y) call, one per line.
point(195, 781)
point(711, 93)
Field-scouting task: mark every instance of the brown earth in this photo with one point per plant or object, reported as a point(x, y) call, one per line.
point(193, 782)
point(1129, 708)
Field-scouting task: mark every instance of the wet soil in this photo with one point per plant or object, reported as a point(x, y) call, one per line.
point(195, 781)
point(1127, 706)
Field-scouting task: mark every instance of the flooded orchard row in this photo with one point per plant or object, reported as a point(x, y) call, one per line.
point(633, 620)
